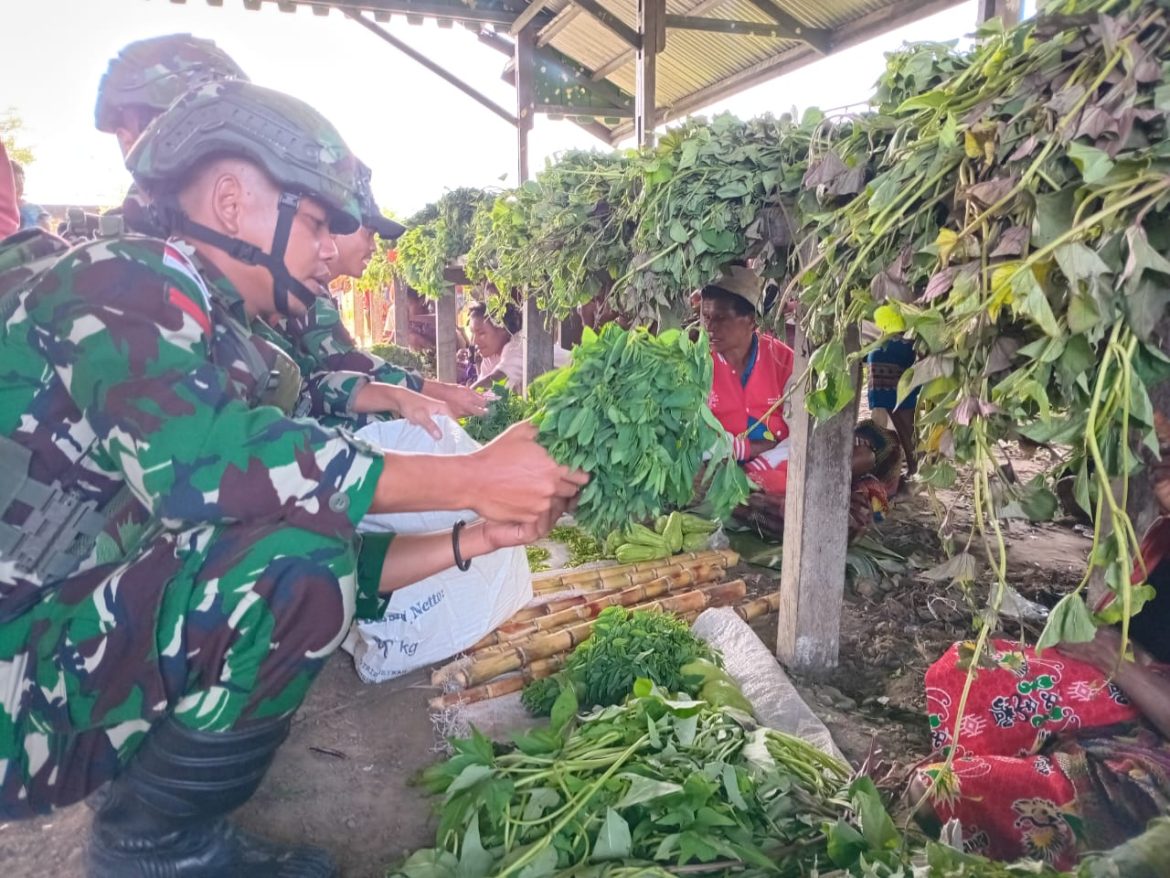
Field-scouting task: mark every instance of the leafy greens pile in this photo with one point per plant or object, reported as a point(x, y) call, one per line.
point(506, 409)
point(624, 646)
point(631, 410)
point(561, 237)
point(583, 549)
point(435, 238)
point(651, 781)
point(659, 786)
point(1012, 225)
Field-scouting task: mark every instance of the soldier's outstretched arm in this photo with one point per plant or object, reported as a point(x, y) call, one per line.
point(411, 558)
point(510, 480)
point(338, 373)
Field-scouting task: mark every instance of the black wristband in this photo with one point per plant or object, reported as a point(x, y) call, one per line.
point(459, 562)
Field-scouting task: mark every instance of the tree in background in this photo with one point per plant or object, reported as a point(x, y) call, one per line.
point(11, 128)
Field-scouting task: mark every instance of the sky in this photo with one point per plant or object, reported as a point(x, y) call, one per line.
point(419, 134)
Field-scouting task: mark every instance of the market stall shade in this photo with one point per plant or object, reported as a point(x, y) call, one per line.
point(590, 55)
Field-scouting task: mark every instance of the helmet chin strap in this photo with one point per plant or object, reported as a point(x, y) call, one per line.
point(173, 219)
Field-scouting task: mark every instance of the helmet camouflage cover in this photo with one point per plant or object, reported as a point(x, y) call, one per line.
point(297, 146)
point(153, 73)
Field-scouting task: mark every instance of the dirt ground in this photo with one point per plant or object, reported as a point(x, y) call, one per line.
point(894, 628)
point(342, 780)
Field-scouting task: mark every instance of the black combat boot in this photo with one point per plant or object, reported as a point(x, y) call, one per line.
point(164, 815)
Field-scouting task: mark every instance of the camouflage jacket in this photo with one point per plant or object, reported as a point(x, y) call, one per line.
point(119, 367)
point(334, 368)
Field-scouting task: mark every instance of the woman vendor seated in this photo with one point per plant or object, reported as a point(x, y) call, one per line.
point(1063, 752)
point(751, 373)
point(501, 349)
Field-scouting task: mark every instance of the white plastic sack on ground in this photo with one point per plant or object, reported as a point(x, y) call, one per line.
point(775, 701)
point(444, 614)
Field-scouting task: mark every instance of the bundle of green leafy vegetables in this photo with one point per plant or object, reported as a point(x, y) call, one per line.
point(396, 355)
point(562, 237)
point(436, 238)
point(624, 646)
point(506, 409)
point(583, 548)
point(631, 410)
point(710, 193)
point(1013, 225)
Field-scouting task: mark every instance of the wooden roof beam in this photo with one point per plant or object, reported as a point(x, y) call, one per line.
point(586, 112)
point(730, 26)
point(867, 27)
point(605, 91)
point(628, 35)
point(526, 17)
point(559, 22)
point(819, 39)
point(452, 10)
point(415, 55)
point(1008, 10)
point(617, 62)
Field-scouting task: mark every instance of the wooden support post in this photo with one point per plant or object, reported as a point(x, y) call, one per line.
point(651, 24)
point(525, 99)
point(1008, 10)
point(446, 311)
point(401, 314)
point(538, 341)
point(816, 524)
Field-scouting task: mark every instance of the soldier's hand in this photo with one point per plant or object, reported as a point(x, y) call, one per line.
point(463, 401)
point(421, 411)
point(503, 536)
point(518, 483)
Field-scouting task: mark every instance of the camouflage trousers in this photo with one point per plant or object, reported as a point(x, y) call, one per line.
point(215, 626)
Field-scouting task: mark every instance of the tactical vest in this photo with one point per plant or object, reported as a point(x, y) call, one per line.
point(61, 528)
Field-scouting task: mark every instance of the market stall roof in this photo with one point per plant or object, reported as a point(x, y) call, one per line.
point(587, 51)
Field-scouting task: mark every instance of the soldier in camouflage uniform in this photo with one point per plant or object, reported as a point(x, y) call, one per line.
point(177, 560)
point(144, 79)
point(345, 386)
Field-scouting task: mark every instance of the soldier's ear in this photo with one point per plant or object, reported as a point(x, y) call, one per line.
point(227, 201)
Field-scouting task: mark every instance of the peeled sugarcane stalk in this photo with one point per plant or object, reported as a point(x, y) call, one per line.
point(502, 686)
point(507, 636)
point(759, 607)
point(632, 574)
point(544, 645)
point(570, 578)
point(527, 613)
point(705, 572)
point(515, 629)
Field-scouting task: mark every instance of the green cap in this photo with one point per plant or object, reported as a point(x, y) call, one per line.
point(372, 216)
point(153, 74)
point(297, 146)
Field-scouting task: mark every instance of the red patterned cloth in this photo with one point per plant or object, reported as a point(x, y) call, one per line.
point(1013, 800)
point(1051, 758)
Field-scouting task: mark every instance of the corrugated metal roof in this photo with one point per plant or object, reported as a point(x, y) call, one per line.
point(696, 67)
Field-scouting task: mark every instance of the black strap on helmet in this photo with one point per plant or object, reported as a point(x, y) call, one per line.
point(172, 218)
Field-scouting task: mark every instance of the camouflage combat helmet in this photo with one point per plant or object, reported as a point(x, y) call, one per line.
point(295, 145)
point(153, 73)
